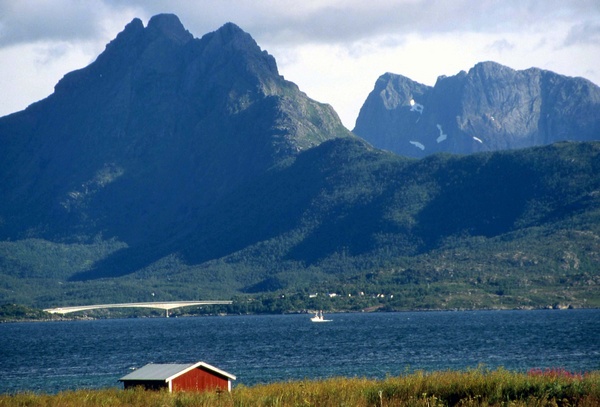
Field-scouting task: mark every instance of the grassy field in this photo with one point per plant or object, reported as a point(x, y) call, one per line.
point(478, 387)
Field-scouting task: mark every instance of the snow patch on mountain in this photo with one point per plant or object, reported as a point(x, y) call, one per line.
point(443, 136)
point(417, 144)
point(416, 107)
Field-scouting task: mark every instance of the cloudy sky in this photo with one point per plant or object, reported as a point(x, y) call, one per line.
point(334, 50)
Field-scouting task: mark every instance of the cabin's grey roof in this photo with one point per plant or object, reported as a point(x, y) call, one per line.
point(169, 371)
point(156, 371)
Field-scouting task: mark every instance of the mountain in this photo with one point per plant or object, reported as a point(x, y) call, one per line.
point(489, 108)
point(150, 135)
point(188, 168)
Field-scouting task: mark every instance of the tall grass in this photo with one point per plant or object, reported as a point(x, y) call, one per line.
point(477, 387)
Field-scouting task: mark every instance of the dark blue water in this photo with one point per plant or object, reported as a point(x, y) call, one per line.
point(55, 356)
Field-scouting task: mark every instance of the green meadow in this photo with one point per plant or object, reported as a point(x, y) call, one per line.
point(478, 387)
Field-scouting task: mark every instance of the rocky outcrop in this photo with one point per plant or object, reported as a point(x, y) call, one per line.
point(492, 107)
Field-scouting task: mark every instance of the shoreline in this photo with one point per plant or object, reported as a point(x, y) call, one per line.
point(125, 315)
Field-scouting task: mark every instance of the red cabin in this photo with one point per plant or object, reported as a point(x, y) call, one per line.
point(179, 377)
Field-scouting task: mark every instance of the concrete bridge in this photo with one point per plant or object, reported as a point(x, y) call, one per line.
point(166, 305)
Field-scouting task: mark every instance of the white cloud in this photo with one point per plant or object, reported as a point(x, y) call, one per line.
point(29, 72)
point(28, 21)
point(501, 46)
point(587, 33)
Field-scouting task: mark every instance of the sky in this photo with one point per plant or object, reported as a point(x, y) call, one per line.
point(334, 50)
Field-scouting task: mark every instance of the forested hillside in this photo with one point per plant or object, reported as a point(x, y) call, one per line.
point(516, 228)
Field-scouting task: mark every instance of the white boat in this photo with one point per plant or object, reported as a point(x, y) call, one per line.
point(319, 317)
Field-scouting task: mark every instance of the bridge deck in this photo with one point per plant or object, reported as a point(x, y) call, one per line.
point(166, 305)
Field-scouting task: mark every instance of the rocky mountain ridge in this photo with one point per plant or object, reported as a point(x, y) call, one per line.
point(155, 131)
point(491, 107)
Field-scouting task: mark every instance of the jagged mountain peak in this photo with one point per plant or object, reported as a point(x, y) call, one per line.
point(391, 92)
point(135, 36)
point(490, 107)
point(231, 43)
point(157, 105)
point(490, 66)
point(230, 31)
point(398, 89)
point(231, 37)
point(136, 45)
point(164, 51)
point(135, 26)
point(488, 75)
point(170, 26)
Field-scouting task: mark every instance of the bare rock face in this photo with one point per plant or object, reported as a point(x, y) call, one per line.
point(492, 107)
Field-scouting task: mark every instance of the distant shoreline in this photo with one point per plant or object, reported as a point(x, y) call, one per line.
point(133, 315)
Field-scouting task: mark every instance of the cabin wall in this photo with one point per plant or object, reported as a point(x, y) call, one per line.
point(199, 379)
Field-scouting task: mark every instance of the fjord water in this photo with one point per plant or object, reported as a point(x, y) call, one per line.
point(55, 356)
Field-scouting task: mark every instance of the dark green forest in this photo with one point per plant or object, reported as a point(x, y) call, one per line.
point(510, 229)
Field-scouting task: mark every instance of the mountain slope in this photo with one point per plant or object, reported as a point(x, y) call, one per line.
point(348, 217)
point(492, 107)
point(522, 223)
